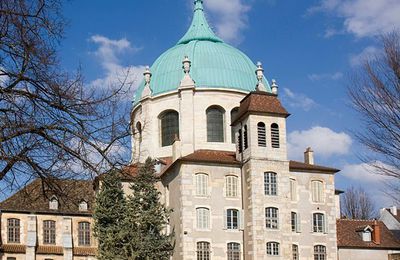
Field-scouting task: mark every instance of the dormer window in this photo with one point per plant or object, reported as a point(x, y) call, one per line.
point(83, 206)
point(365, 233)
point(53, 203)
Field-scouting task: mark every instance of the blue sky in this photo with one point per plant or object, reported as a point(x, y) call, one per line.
point(309, 47)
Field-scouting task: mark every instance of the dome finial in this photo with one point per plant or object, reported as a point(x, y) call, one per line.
point(274, 87)
point(187, 81)
point(186, 64)
point(260, 76)
point(147, 79)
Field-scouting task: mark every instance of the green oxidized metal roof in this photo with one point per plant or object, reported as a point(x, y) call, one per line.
point(215, 64)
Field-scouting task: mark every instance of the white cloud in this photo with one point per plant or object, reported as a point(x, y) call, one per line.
point(298, 100)
point(324, 141)
point(325, 76)
point(364, 171)
point(230, 18)
point(363, 17)
point(368, 53)
point(108, 52)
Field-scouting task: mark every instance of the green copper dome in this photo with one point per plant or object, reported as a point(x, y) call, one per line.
point(215, 64)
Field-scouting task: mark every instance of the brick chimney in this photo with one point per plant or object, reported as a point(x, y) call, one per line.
point(376, 233)
point(309, 156)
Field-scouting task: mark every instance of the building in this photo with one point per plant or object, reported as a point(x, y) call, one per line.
point(366, 239)
point(218, 130)
point(391, 218)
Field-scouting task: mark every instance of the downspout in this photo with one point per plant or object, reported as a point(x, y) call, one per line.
point(242, 173)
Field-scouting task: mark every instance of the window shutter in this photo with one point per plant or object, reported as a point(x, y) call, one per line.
point(312, 223)
point(241, 220)
point(298, 223)
point(225, 219)
point(326, 230)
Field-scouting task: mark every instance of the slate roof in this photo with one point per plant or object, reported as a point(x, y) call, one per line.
point(260, 102)
point(34, 198)
point(347, 236)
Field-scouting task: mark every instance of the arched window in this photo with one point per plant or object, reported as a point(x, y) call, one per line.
point(261, 134)
point(233, 251)
point(139, 130)
point(234, 113)
point(245, 138)
point(317, 191)
point(203, 218)
point(275, 135)
point(231, 186)
point(49, 232)
point(273, 248)
point(271, 218)
point(201, 184)
point(13, 228)
point(203, 251)
point(270, 183)
point(169, 127)
point(84, 233)
point(215, 124)
point(319, 252)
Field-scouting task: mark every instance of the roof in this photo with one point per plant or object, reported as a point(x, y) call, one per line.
point(304, 167)
point(214, 63)
point(260, 102)
point(34, 197)
point(84, 251)
point(51, 250)
point(13, 248)
point(347, 236)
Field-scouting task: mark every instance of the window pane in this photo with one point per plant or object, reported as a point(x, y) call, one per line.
point(272, 248)
point(232, 219)
point(319, 252)
point(201, 184)
point(233, 251)
point(261, 134)
point(84, 233)
point(13, 226)
point(270, 183)
point(203, 251)
point(275, 136)
point(271, 218)
point(169, 127)
point(215, 125)
point(318, 222)
point(231, 183)
point(203, 218)
point(49, 232)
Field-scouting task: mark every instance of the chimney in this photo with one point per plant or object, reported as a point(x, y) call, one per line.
point(376, 233)
point(393, 210)
point(309, 156)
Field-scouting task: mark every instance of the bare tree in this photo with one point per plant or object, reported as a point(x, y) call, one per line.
point(375, 94)
point(51, 124)
point(355, 204)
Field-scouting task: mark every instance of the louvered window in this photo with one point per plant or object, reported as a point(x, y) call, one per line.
point(246, 138)
point(261, 134)
point(275, 136)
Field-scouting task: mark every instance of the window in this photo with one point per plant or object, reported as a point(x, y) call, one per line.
point(203, 218)
point(270, 184)
point(215, 124)
point(139, 130)
point(83, 206)
point(271, 218)
point(275, 135)
point(294, 221)
point(203, 251)
point(272, 248)
point(234, 113)
point(233, 251)
point(49, 232)
point(245, 138)
point(318, 222)
point(201, 184)
point(232, 219)
point(13, 226)
point(169, 127)
point(295, 252)
point(231, 186)
point(317, 191)
point(11, 258)
point(293, 189)
point(84, 233)
point(53, 203)
point(319, 252)
point(240, 145)
point(262, 141)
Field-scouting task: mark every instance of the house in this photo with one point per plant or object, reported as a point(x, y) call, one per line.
point(366, 239)
point(391, 218)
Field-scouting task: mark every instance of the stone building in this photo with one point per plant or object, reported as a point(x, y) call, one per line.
point(217, 128)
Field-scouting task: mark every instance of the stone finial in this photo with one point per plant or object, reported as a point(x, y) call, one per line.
point(260, 77)
point(147, 79)
point(187, 81)
point(274, 87)
point(186, 65)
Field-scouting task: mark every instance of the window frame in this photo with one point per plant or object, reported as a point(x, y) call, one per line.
point(203, 218)
point(49, 232)
point(293, 221)
point(202, 183)
point(215, 124)
point(320, 252)
point(84, 233)
point(273, 248)
point(203, 250)
point(232, 219)
point(319, 222)
point(231, 186)
point(169, 120)
point(270, 184)
point(272, 218)
point(14, 230)
point(233, 251)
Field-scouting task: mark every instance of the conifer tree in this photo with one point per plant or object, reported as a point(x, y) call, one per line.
point(108, 217)
point(146, 219)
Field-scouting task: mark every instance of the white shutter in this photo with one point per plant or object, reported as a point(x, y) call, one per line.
point(312, 223)
point(241, 220)
point(225, 219)
point(298, 223)
point(326, 229)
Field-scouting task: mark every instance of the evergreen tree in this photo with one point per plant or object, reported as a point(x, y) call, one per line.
point(146, 219)
point(108, 217)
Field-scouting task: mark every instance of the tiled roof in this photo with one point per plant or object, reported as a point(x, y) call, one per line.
point(304, 167)
point(34, 198)
point(85, 251)
point(52, 250)
point(13, 248)
point(347, 236)
point(260, 102)
point(223, 157)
